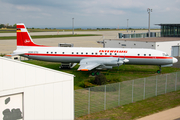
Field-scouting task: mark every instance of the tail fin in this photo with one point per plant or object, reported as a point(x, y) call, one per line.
point(23, 37)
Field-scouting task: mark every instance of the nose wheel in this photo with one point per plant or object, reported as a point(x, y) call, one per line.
point(159, 71)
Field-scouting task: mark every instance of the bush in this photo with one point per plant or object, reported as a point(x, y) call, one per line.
point(100, 79)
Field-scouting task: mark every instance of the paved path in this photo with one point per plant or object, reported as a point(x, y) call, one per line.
point(171, 114)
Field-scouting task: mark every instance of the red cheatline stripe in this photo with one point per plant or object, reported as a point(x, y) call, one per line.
point(75, 55)
point(20, 26)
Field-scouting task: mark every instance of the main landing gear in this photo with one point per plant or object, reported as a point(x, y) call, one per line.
point(159, 71)
point(94, 73)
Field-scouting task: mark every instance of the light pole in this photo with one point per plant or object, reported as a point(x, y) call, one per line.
point(149, 11)
point(127, 25)
point(73, 26)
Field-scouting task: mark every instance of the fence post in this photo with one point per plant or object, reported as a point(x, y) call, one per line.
point(119, 96)
point(156, 85)
point(176, 81)
point(144, 88)
point(132, 89)
point(105, 98)
point(166, 85)
point(89, 102)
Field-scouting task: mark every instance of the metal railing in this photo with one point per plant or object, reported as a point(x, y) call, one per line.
point(108, 96)
point(140, 35)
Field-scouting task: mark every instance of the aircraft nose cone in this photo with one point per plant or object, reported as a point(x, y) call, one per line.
point(175, 60)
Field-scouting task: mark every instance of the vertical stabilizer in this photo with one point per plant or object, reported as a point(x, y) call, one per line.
point(23, 37)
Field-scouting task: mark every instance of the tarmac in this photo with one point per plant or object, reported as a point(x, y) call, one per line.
point(8, 46)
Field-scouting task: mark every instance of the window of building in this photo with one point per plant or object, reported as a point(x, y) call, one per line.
point(123, 44)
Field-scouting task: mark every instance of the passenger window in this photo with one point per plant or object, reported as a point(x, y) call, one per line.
point(138, 54)
point(96, 53)
point(72, 52)
point(47, 52)
point(100, 53)
point(92, 53)
point(86, 53)
point(51, 52)
point(149, 54)
point(105, 53)
point(81, 52)
point(110, 53)
point(62, 52)
point(77, 53)
point(115, 54)
point(55, 52)
point(144, 54)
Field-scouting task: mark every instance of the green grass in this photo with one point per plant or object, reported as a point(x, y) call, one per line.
point(138, 109)
point(49, 36)
point(125, 73)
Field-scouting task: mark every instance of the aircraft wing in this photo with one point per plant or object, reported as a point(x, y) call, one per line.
point(15, 54)
point(86, 65)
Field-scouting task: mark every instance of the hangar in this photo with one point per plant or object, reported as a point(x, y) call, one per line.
point(159, 43)
point(30, 92)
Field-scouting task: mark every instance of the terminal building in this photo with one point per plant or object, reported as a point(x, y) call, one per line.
point(170, 30)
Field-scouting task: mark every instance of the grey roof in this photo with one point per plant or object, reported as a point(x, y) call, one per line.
point(168, 24)
point(151, 39)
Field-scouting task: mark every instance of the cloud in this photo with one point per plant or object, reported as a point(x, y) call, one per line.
point(93, 12)
point(28, 8)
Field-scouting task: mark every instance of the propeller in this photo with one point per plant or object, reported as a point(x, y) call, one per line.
point(122, 62)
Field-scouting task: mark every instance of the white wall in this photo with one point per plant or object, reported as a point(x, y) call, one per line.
point(129, 44)
point(166, 46)
point(48, 94)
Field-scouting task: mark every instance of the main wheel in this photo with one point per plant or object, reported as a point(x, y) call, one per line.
point(158, 71)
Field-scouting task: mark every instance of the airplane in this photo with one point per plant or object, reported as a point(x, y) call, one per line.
point(89, 58)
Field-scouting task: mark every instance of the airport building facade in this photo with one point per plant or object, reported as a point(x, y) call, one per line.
point(170, 30)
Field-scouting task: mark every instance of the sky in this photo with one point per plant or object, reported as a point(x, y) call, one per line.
point(89, 13)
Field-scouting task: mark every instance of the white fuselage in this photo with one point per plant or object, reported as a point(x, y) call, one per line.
point(76, 54)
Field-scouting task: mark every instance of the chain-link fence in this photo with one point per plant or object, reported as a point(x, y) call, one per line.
point(104, 97)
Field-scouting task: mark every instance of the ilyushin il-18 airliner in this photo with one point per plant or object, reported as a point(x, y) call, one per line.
point(89, 58)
